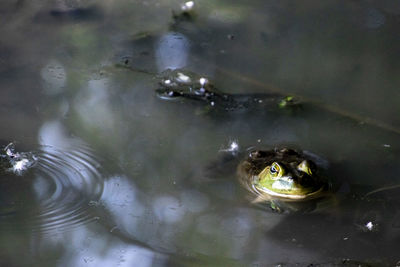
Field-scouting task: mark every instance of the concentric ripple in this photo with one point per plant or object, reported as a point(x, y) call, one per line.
point(55, 194)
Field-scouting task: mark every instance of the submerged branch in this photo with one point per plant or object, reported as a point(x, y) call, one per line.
point(324, 106)
point(382, 189)
point(273, 89)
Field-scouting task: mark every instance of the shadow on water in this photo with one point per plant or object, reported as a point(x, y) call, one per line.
point(358, 153)
point(123, 177)
point(362, 225)
point(71, 15)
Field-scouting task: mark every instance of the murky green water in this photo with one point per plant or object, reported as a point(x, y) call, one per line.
point(123, 178)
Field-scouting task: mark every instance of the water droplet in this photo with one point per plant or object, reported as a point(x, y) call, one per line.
point(370, 226)
point(203, 81)
point(187, 6)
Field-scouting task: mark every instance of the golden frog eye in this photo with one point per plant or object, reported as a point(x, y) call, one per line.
point(304, 167)
point(276, 170)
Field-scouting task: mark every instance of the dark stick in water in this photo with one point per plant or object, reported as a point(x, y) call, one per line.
point(275, 91)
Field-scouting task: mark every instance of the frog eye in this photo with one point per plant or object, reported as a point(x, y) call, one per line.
point(304, 166)
point(276, 170)
point(271, 172)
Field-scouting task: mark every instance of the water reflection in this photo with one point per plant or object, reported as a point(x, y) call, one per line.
point(183, 45)
point(168, 209)
point(125, 204)
point(56, 192)
point(54, 77)
point(194, 201)
point(84, 246)
point(341, 53)
point(67, 178)
point(93, 104)
point(172, 51)
point(116, 255)
point(374, 18)
point(143, 217)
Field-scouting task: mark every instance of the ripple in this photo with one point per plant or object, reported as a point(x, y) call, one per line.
point(56, 192)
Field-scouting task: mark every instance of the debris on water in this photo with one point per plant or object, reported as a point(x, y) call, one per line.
point(88, 259)
point(233, 147)
point(187, 6)
point(9, 149)
point(94, 203)
point(201, 91)
point(386, 145)
point(182, 78)
point(21, 165)
point(369, 226)
point(203, 81)
point(185, 14)
point(286, 101)
point(180, 83)
point(17, 162)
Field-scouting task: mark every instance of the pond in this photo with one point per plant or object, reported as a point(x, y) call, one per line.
point(104, 172)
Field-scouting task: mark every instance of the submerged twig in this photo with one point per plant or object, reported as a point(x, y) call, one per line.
point(382, 189)
point(273, 89)
point(319, 104)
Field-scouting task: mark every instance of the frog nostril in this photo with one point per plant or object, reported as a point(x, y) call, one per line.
point(254, 154)
point(257, 154)
point(298, 173)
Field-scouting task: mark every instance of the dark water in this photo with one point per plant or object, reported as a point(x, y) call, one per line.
point(122, 178)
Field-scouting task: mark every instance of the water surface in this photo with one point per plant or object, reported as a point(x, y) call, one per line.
point(123, 177)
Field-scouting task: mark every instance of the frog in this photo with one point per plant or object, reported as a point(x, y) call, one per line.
point(290, 179)
point(186, 86)
point(283, 176)
point(312, 200)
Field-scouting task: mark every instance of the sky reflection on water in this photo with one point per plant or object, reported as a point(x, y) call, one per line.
point(172, 51)
point(126, 179)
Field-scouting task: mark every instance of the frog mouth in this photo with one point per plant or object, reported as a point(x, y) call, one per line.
point(289, 195)
point(283, 183)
